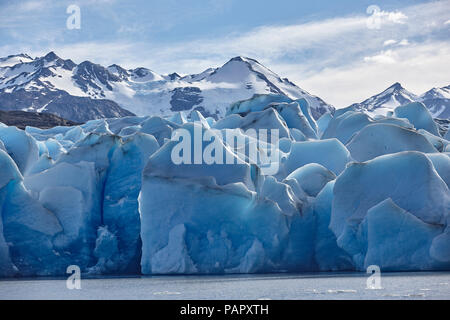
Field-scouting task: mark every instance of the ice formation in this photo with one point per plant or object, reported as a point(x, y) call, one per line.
point(350, 191)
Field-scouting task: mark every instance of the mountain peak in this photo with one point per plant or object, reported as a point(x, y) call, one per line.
point(20, 55)
point(51, 56)
point(396, 86)
point(238, 58)
point(387, 100)
point(244, 59)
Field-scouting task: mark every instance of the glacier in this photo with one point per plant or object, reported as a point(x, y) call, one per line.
point(351, 190)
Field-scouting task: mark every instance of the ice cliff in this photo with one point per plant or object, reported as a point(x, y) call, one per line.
point(350, 191)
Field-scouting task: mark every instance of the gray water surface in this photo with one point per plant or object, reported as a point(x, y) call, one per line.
point(430, 285)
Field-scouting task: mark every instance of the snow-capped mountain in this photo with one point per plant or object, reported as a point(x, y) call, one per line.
point(211, 92)
point(386, 101)
point(437, 100)
point(53, 85)
point(84, 91)
point(12, 60)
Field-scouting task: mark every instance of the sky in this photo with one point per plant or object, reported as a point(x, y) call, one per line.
point(343, 51)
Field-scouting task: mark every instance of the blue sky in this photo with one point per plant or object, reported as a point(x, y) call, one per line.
point(326, 47)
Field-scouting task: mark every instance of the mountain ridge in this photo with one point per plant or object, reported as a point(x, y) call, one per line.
point(437, 100)
point(139, 91)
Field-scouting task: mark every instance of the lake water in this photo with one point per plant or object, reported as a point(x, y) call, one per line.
point(429, 285)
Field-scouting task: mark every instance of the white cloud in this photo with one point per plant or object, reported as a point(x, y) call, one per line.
point(389, 42)
point(339, 59)
point(419, 67)
point(395, 17)
point(384, 57)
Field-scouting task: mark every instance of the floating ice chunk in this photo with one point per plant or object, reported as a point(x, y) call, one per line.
point(312, 177)
point(380, 139)
point(419, 116)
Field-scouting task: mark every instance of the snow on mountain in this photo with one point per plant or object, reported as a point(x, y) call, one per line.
point(141, 90)
point(437, 100)
point(12, 60)
point(386, 101)
point(440, 93)
point(53, 85)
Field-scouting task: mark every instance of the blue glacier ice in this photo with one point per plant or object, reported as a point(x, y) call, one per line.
point(330, 153)
point(21, 146)
point(419, 116)
point(112, 196)
point(312, 177)
point(379, 139)
point(409, 180)
point(386, 228)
